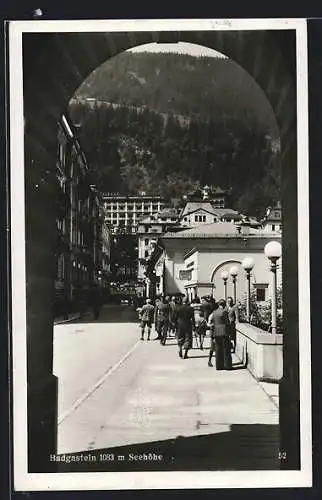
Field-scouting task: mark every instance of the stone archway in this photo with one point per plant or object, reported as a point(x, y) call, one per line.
point(221, 265)
point(55, 64)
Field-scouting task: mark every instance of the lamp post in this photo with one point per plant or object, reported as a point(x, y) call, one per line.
point(248, 264)
point(224, 276)
point(273, 251)
point(234, 273)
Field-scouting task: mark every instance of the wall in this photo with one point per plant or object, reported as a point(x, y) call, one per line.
point(215, 255)
point(208, 262)
point(262, 351)
point(174, 263)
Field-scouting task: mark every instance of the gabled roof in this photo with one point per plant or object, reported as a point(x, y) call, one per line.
point(192, 207)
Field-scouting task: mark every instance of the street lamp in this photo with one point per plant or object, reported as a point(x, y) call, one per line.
point(234, 273)
point(273, 251)
point(224, 276)
point(248, 264)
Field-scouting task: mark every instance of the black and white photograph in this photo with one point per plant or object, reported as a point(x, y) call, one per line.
point(160, 254)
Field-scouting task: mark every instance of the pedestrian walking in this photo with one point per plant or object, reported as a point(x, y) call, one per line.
point(232, 316)
point(220, 340)
point(206, 307)
point(146, 316)
point(173, 321)
point(95, 300)
point(162, 320)
point(185, 324)
point(200, 327)
point(80, 299)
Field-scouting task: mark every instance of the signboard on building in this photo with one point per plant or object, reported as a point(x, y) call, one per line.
point(185, 275)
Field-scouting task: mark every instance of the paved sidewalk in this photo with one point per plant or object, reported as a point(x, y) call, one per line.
point(199, 418)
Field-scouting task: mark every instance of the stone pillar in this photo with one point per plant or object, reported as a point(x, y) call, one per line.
point(147, 287)
point(40, 172)
point(289, 385)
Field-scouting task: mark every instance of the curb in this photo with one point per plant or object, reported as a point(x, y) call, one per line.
point(66, 320)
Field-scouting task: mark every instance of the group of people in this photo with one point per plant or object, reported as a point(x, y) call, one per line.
point(177, 316)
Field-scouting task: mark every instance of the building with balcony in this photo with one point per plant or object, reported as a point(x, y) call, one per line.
point(83, 239)
point(124, 212)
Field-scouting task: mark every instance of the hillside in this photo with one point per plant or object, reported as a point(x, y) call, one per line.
point(166, 123)
point(181, 84)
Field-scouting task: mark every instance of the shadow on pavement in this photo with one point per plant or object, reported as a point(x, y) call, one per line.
point(110, 314)
point(244, 447)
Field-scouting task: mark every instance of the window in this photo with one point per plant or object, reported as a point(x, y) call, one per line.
point(185, 219)
point(146, 253)
point(260, 294)
point(273, 227)
point(146, 241)
point(200, 218)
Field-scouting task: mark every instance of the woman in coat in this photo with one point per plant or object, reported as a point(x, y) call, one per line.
point(218, 322)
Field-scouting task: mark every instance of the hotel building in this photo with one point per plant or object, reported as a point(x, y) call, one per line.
point(124, 212)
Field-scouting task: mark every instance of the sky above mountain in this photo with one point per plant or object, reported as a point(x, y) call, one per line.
point(191, 49)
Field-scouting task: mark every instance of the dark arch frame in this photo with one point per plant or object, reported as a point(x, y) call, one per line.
point(55, 64)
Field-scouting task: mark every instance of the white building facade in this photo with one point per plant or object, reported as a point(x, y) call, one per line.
point(194, 260)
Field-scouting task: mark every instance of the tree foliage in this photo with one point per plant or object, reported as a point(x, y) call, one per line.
point(171, 123)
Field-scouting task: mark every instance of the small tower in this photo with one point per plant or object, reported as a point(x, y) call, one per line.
point(206, 192)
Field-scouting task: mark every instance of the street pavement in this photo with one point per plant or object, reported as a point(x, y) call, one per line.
point(119, 395)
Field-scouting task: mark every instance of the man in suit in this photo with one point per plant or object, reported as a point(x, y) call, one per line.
point(218, 322)
point(173, 307)
point(185, 324)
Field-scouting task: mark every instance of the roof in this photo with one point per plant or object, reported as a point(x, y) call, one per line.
point(168, 212)
point(213, 230)
point(130, 197)
point(228, 212)
point(218, 190)
point(155, 218)
point(192, 207)
point(272, 218)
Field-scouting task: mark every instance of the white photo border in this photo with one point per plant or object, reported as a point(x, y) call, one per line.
point(24, 481)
